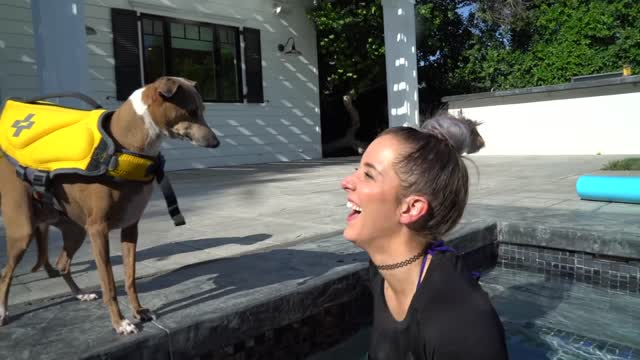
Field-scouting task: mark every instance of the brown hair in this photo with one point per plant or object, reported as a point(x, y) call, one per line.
point(433, 166)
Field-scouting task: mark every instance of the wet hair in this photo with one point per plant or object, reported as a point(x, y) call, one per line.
point(433, 166)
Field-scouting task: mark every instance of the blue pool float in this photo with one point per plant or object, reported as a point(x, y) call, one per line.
point(625, 189)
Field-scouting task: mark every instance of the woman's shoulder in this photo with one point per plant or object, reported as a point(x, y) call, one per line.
point(450, 284)
point(456, 313)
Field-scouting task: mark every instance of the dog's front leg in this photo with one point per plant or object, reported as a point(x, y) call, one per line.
point(129, 239)
point(99, 234)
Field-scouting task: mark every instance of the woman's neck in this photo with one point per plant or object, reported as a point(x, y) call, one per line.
point(401, 281)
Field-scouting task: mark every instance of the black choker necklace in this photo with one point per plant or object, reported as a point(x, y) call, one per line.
point(403, 263)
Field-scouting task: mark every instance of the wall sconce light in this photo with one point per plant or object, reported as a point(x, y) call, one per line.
point(279, 7)
point(88, 30)
point(292, 51)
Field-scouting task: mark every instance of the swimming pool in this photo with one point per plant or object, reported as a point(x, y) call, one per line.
point(548, 317)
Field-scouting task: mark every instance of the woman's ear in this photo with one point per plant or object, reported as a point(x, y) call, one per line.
point(413, 208)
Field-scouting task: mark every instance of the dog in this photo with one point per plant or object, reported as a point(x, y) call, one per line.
point(170, 107)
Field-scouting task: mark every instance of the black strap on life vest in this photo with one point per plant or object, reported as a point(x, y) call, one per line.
point(168, 193)
point(71, 94)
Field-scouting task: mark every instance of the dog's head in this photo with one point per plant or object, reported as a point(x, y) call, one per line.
point(177, 109)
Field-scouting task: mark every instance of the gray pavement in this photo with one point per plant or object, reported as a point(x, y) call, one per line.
point(235, 210)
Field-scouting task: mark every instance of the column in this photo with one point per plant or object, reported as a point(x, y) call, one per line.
point(401, 62)
point(61, 47)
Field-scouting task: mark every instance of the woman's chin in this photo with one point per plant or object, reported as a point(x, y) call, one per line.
point(348, 235)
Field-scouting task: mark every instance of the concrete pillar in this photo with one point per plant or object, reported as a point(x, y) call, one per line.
point(401, 62)
point(61, 47)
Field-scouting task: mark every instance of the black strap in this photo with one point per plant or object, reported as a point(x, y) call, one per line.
point(169, 194)
point(71, 94)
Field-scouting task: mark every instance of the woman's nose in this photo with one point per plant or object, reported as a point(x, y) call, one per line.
point(346, 183)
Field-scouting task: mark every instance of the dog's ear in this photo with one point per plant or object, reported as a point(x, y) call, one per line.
point(167, 86)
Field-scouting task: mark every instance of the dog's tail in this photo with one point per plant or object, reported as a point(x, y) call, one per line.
point(41, 234)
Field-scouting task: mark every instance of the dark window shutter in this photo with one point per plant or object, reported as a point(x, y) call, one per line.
point(124, 26)
point(253, 63)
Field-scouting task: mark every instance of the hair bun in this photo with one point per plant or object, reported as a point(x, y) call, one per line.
point(461, 133)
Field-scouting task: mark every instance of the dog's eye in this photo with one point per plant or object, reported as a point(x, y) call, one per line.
point(193, 113)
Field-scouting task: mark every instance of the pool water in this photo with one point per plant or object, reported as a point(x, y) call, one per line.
point(548, 318)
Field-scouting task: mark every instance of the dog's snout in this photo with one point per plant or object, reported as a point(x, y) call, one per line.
point(213, 143)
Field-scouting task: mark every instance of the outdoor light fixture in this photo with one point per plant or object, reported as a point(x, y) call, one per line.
point(291, 51)
point(89, 30)
point(279, 7)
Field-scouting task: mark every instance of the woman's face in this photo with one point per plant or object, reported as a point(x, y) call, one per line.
point(373, 194)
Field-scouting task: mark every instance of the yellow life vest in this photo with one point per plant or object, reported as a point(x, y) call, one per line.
point(43, 139)
point(54, 139)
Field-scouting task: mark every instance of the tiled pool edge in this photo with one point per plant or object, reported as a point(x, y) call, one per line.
point(584, 256)
point(616, 243)
point(265, 325)
point(614, 274)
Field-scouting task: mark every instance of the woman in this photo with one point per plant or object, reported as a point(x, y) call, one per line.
point(410, 189)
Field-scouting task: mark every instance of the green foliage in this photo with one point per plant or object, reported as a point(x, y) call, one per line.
point(624, 164)
point(441, 39)
point(501, 44)
point(350, 44)
point(566, 38)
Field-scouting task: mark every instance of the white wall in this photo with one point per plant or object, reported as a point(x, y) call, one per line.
point(286, 127)
point(586, 121)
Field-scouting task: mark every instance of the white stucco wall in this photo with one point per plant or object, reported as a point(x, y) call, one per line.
point(587, 121)
point(286, 127)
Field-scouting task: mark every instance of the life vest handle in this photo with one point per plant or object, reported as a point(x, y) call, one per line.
point(71, 94)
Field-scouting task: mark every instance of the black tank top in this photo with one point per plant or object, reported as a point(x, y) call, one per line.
point(450, 318)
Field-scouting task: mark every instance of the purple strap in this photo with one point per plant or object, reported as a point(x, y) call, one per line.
point(439, 246)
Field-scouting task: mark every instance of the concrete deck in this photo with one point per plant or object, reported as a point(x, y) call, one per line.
point(237, 216)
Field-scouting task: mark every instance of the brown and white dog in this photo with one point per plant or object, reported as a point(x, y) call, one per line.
point(169, 107)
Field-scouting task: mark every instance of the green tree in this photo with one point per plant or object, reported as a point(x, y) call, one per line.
point(352, 54)
point(442, 34)
point(553, 42)
point(350, 43)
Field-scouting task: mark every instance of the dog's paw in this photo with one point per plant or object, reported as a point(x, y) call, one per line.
point(126, 328)
point(143, 315)
point(87, 297)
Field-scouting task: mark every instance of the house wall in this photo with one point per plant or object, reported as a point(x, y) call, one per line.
point(18, 72)
point(586, 118)
point(285, 127)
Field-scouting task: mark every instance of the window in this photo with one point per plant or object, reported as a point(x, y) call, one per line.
point(206, 53)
